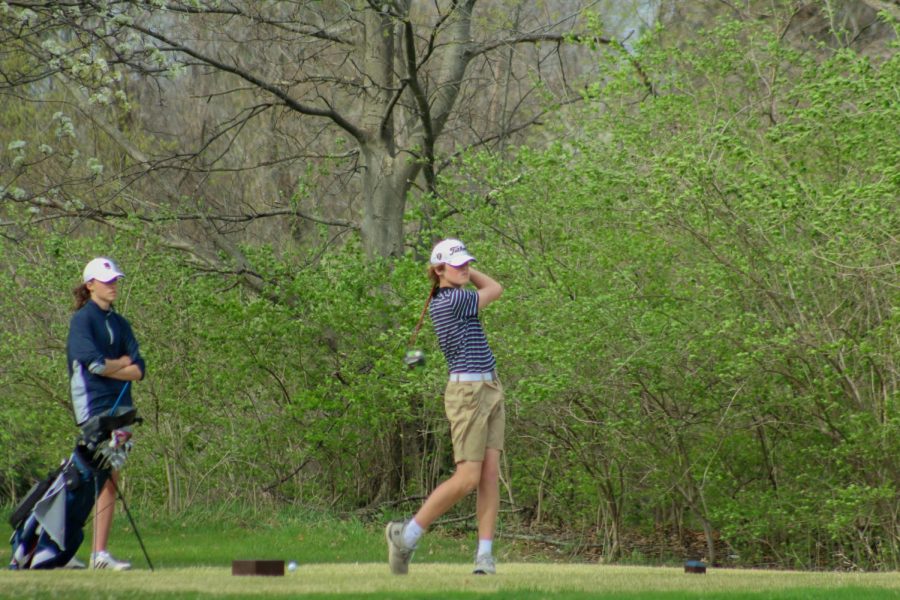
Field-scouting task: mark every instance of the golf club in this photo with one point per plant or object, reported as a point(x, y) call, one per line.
point(415, 357)
point(131, 520)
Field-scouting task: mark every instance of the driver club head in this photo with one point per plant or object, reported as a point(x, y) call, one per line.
point(414, 358)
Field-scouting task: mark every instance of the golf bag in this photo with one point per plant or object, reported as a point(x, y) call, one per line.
point(49, 522)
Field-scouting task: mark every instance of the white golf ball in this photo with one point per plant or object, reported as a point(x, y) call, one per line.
point(292, 566)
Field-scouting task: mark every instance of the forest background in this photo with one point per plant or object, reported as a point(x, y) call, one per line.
point(693, 207)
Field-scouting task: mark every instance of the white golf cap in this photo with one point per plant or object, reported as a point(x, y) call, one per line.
point(101, 269)
point(451, 251)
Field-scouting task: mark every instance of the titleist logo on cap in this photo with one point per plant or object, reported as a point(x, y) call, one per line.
point(452, 252)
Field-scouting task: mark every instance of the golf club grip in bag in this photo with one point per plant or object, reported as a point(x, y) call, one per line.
point(96, 429)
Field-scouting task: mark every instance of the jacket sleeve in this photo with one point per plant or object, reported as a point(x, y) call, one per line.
point(133, 348)
point(82, 347)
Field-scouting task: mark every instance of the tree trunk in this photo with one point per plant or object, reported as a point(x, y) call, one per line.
point(385, 187)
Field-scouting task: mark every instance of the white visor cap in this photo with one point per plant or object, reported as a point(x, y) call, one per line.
point(452, 252)
point(101, 269)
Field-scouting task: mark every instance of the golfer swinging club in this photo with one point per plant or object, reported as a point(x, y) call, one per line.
point(473, 401)
point(103, 357)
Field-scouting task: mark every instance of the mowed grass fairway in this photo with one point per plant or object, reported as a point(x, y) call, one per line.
point(442, 580)
point(347, 559)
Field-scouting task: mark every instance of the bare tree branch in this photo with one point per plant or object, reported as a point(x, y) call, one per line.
point(281, 94)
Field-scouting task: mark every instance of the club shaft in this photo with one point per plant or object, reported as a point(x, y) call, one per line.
point(130, 520)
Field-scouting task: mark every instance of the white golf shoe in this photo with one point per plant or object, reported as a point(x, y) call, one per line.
point(104, 560)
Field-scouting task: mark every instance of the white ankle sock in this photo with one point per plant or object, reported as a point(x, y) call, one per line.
point(411, 533)
point(484, 547)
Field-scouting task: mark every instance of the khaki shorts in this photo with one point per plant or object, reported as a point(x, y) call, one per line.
point(477, 418)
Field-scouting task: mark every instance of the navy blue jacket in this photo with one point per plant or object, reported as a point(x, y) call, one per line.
point(94, 336)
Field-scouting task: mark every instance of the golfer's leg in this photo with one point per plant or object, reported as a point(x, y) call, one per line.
point(444, 496)
point(103, 513)
point(487, 505)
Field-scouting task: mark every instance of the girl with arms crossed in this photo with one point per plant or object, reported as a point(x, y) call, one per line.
point(103, 358)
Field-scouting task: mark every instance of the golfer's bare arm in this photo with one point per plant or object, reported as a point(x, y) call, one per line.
point(111, 365)
point(122, 369)
point(129, 373)
point(488, 289)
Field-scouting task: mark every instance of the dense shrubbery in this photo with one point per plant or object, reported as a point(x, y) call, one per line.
point(703, 324)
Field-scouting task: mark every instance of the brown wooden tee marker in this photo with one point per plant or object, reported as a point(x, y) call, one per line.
point(257, 567)
point(694, 566)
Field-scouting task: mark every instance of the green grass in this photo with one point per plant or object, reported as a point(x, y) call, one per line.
point(346, 559)
point(444, 580)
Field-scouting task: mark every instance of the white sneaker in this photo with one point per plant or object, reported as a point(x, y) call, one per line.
point(74, 563)
point(399, 554)
point(484, 565)
point(104, 560)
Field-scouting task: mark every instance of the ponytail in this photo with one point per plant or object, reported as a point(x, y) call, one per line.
point(434, 288)
point(82, 294)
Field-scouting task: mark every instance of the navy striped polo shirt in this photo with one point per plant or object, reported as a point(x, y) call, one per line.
point(454, 313)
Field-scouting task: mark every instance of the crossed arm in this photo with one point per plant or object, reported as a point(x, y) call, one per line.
point(123, 369)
